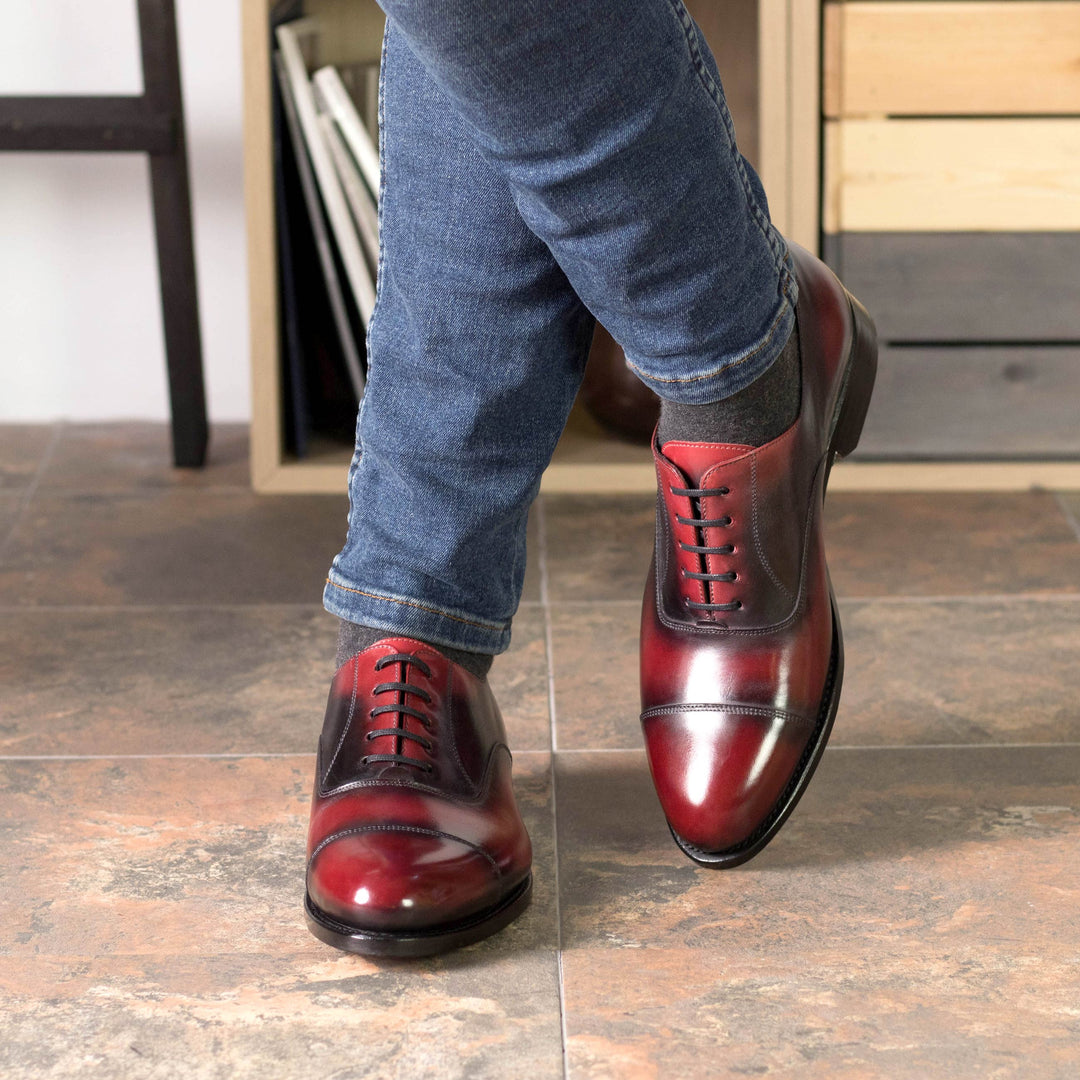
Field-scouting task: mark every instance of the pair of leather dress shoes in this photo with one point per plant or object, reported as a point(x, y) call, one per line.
point(416, 844)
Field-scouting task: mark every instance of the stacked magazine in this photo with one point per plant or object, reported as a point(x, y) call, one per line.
point(327, 192)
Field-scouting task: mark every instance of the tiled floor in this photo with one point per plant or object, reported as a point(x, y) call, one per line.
point(164, 661)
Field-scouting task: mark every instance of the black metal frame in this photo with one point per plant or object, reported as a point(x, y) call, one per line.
point(150, 123)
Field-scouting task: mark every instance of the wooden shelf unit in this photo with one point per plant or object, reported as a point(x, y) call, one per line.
point(769, 53)
point(952, 210)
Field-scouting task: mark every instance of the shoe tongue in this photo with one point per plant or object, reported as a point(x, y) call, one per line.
point(696, 458)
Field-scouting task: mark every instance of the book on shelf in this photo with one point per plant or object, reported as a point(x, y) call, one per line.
point(331, 90)
point(324, 321)
point(364, 211)
point(295, 361)
point(347, 243)
point(326, 185)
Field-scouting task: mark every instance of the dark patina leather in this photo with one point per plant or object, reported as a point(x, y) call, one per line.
point(431, 841)
point(738, 676)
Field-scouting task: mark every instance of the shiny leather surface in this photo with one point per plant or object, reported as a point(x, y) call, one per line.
point(414, 844)
point(731, 698)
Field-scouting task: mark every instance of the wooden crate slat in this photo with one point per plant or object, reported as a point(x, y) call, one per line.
point(974, 401)
point(921, 57)
point(1012, 174)
point(964, 286)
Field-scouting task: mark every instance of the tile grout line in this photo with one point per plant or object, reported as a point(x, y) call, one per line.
point(261, 755)
point(541, 529)
point(31, 488)
point(934, 598)
point(259, 605)
point(1060, 498)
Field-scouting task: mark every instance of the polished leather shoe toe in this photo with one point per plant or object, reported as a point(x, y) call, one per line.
point(415, 844)
point(720, 771)
point(741, 651)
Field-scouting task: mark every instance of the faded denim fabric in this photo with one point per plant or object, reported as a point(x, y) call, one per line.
point(544, 165)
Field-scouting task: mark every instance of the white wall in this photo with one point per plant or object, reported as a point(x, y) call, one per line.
point(80, 318)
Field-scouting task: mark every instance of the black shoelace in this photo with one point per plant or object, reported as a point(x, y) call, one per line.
point(701, 523)
point(401, 687)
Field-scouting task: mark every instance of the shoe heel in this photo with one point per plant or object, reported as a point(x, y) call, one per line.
point(862, 370)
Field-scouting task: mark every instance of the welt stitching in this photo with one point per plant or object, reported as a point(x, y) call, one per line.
point(470, 802)
point(348, 719)
point(742, 710)
point(450, 727)
point(359, 829)
point(673, 625)
point(757, 534)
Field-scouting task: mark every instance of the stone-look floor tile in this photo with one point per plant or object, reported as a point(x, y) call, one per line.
point(945, 544)
point(137, 455)
point(519, 680)
point(595, 661)
point(249, 680)
point(173, 547)
point(180, 547)
point(999, 1010)
point(883, 544)
point(152, 925)
point(1070, 502)
point(919, 672)
point(10, 505)
point(901, 847)
point(915, 917)
point(598, 547)
point(22, 447)
point(960, 672)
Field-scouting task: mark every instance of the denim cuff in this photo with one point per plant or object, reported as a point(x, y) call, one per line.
point(732, 373)
point(409, 617)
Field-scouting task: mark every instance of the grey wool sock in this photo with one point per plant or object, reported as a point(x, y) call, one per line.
point(755, 415)
point(354, 638)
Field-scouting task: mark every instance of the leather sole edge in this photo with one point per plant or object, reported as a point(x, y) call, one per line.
point(440, 939)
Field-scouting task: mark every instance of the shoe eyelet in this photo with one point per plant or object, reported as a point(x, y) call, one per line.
point(738, 605)
point(367, 737)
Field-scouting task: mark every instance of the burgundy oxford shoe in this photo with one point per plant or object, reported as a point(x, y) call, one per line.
point(415, 845)
point(741, 653)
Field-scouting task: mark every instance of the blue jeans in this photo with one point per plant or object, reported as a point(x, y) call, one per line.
point(544, 165)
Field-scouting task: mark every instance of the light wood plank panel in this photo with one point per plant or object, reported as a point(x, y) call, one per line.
point(894, 175)
point(261, 244)
point(964, 286)
point(962, 57)
point(974, 401)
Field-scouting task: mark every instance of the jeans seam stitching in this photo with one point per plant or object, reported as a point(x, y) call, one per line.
point(381, 113)
point(416, 604)
point(764, 225)
point(729, 364)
